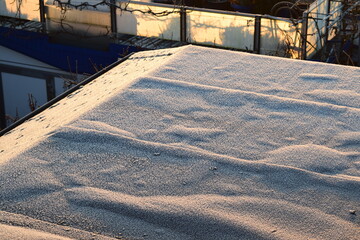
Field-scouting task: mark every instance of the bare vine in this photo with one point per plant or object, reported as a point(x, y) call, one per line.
point(64, 6)
point(18, 7)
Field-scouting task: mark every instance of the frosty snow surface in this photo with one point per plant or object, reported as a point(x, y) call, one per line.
point(191, 143)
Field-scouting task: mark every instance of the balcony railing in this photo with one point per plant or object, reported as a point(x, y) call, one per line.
point(247, 32)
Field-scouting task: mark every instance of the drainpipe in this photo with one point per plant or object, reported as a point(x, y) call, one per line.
point(183, 24)
point(113, 17)
point(257, 34)
point(42, 15)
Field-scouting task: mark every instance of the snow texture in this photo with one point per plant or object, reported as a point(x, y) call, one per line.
point(192, 143)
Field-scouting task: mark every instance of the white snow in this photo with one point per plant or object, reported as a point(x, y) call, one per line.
point(194, 143)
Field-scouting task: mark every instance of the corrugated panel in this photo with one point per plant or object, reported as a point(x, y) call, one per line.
point(20, 24)
point(147, 43)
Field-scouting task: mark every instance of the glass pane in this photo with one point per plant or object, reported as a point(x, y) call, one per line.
point(86, 22)
point(216, 29)
point(28, 9)
point(166, 25)
point(280, 38)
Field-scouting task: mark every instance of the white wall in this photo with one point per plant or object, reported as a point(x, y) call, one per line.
point(148, 25)
point(84, 22)
point(317, 24)
point(28, 9)
point(218, 29)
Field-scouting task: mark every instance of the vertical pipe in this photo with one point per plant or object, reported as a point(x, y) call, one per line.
point(183, 24)
point(359, 53)
point(304, 32)
point(328, 8)
point(50, 88)
point(42, 15)
point(2, 106)
point(257, 34)
point(113, 17)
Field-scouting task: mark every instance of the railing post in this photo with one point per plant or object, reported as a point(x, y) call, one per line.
point(50, 88)
point(2, 106)
point(359, 54)
point(113, 17)
point(183, 24)
point(257, 34)
point(304, 33)
point(326, 33)
point(328, 8)
point(42, 15)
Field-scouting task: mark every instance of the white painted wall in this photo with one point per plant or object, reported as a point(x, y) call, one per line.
point(317, 24)
point(276, 35)
point(148, 25)
point(84, 22)
point(24, 9)
point(203, 27)
point(218, 29)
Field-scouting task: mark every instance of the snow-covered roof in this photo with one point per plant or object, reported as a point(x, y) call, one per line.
point(192, 143)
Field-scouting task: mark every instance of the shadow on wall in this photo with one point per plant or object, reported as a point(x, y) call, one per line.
point(28, 10)
point(239, 37)
point(280, 41)
point(126, 22)
point(172, 31)
point(9, 8)
point(228, 35)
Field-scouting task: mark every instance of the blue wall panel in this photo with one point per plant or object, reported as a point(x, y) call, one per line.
point(68, 58)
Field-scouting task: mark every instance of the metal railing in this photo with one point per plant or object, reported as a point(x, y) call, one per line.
point(247, 32)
